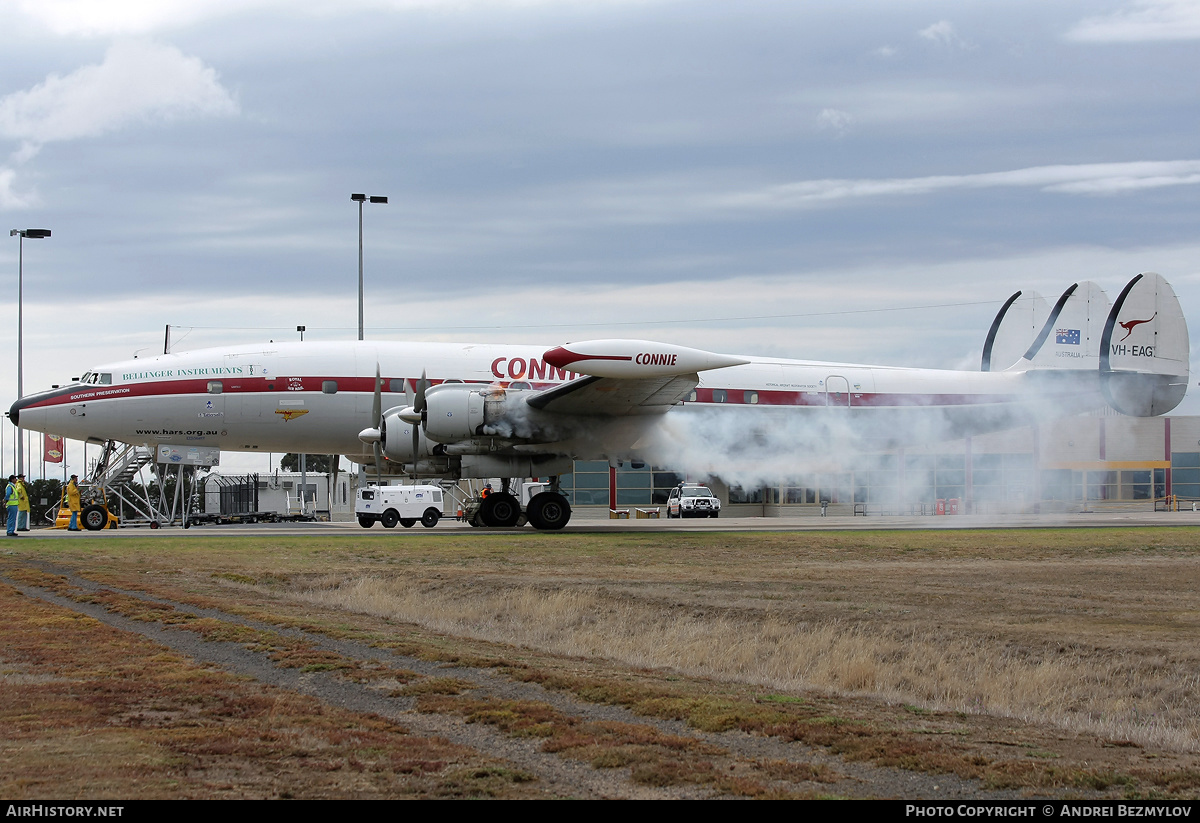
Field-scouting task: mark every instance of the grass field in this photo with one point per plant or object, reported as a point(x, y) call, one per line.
point(1082, 645)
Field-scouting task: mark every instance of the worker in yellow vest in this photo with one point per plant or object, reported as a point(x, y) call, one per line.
point(22, 504)
point(10, 503)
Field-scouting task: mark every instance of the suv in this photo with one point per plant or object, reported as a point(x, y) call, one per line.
point(693, 501)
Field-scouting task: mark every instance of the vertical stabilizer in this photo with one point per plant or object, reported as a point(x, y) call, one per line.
point(1144, 349)
point(1070, 337)
point(1014, 329)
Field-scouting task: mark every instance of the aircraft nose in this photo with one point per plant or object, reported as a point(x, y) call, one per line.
point(30, 400)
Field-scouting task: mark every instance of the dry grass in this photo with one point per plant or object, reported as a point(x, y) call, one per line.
point(1093, 632)
point(92, 712)
point(1080, 682)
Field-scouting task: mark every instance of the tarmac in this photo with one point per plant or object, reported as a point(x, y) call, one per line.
point(591, 523)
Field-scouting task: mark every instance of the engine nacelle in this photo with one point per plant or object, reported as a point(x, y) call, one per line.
point(459, 412)
point(453, 411)
point(398, 441)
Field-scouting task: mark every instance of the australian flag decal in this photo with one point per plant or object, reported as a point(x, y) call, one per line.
point(1068, 336)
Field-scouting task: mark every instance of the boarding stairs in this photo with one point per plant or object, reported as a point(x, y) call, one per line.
point(119, 463)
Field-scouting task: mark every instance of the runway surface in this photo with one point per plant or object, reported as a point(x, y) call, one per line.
point(596, 525)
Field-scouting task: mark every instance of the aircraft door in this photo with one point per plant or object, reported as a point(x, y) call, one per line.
point(837, 391)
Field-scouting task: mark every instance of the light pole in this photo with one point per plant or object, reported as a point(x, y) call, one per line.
point(360, 199)
point(32, 234)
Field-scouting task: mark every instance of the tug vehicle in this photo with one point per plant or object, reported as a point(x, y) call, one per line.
point(405, 505)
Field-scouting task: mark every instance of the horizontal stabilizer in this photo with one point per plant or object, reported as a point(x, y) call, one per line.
point(1144, 354)
point(1013, 331)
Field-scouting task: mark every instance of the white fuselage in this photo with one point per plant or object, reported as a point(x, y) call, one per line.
point(317, 397)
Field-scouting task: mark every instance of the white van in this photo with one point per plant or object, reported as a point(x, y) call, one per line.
point(399, 504)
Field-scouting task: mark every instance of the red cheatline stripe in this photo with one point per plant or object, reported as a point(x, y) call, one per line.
point(366, 385)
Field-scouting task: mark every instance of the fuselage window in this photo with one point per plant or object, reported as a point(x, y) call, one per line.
point(214, 387)
point(719, 395)
point(329, 387)
point(750, 397)
point(396, 385)
point(691, 398)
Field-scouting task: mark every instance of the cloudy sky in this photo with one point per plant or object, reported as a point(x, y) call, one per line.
point(862, 182)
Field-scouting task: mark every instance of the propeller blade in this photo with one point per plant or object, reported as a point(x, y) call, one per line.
point(422, 386)
point(419, 406)
point(416, 445)
point(377, 422)
point(377, 401)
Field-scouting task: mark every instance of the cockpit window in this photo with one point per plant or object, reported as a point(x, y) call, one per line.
point(94, 378)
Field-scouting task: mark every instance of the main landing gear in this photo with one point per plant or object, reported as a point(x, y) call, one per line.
point(547, 511)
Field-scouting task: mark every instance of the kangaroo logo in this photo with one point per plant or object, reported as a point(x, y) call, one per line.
point(1130, 325)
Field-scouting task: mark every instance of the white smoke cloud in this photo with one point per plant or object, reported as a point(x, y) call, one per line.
point(753, 447)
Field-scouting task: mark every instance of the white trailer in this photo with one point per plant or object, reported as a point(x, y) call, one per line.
point(399, 504)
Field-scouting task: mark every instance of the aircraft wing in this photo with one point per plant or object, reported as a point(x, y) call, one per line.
point(618, 397)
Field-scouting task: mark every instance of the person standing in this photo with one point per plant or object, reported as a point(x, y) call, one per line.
point(73, 503)
point(22, 504)
point(11, 502)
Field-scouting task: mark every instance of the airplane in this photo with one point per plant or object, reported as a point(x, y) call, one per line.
point(506, 411)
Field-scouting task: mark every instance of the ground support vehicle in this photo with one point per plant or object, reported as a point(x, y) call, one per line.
point(94, 514)
point(404, 505)
point(693, 501)
point(538, 504)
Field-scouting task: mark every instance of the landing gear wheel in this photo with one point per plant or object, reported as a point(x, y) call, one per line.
point(408, 522)
point(389, 519)
point(94, 518)
point(500, 509)
point(366, 522)
point(548, 511)
point(430, 518)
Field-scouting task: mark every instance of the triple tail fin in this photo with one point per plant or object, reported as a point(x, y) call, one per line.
point(1070, 337)
point(1014, 329)
point(1138, 346)
point(1144, 349)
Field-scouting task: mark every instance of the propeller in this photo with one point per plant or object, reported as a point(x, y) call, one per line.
point(416, 415)
point(374, 435)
